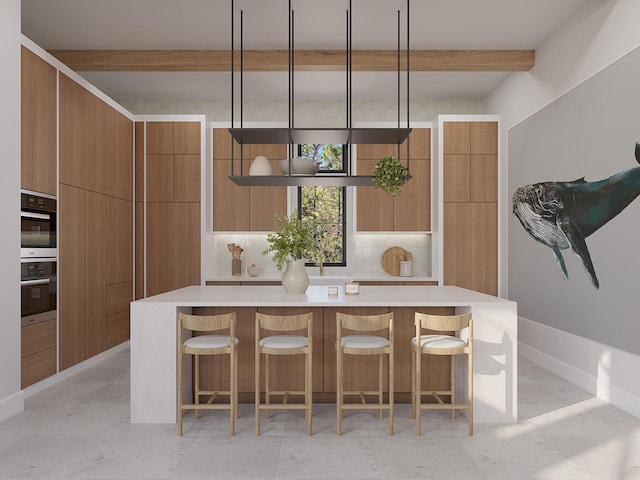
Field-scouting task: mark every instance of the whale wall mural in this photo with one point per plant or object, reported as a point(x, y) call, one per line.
point(561, 215)
point(573, 209)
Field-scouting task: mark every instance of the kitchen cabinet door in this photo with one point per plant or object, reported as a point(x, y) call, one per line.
point(73, 132)
point(159, 138)
point(375, 208)
point(470, 223)
point(238, 208)
point(411, 210)
point(39, 121)
point(38, 352)
point(71, 275)
point(119, 167)
point(95, 274)
point(119, 240)
point(186, 138)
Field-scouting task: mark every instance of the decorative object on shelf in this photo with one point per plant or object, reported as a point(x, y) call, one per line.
point(389, 175)
point(236, 262)
point(406, 265)
point(261, 166)
point(352, 288)
point(332, 290)
point(391, 259)
point(254, 270)
point(290, 244)
point(300, 166)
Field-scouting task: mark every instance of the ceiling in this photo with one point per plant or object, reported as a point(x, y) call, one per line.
point(319, 25)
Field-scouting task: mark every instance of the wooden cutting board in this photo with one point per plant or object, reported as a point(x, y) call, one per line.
point(391, 260)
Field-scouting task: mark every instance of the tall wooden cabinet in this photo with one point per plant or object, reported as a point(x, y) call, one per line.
point(238, 208)
point(95, 211)
point(168, 226)
point(411, 210)
point(470, 195)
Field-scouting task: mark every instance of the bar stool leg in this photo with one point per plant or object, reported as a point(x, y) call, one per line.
point(380, 394)
point(267, 395)
point(257, 393)
point(453, 385)
point(418, 391)
point(232, 410)
point(413, 382)
point(339, 395)
point(391, 391)
point(196, 393)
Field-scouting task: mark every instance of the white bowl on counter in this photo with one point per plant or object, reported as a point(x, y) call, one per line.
point(300, 166)
point(254, 270)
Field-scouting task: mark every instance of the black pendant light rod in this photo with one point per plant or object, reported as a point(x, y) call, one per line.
point(241, 86)
point(408, 96)
point(291, 84)
point(398, 102)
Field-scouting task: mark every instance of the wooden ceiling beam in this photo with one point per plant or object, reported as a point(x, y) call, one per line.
point(305, 60)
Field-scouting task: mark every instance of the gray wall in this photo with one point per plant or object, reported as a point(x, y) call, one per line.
point(591, 131)
point(10, 395)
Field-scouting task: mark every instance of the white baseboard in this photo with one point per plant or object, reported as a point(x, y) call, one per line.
point(606, 372)
point(11, 405)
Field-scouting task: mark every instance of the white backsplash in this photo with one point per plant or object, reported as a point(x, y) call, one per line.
point(364, 252)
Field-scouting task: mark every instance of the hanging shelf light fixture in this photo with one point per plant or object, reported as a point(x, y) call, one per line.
point(293, 135)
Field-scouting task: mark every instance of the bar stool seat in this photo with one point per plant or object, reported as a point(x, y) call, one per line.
point(364, 341)
point(284, 341)
point(440, 341)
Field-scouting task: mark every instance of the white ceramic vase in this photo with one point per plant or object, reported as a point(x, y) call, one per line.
point(295, 278)
point(261, 166)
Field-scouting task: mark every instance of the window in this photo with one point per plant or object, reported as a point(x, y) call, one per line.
point(324, 207)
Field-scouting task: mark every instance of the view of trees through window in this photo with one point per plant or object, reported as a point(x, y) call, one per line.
point(324, 207)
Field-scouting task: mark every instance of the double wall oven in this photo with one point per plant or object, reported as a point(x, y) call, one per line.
point(38, 251)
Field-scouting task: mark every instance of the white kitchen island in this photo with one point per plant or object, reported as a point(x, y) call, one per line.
point(154, 328)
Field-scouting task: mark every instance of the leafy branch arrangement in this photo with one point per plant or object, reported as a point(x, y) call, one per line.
point(389, 175)
point(291, 241)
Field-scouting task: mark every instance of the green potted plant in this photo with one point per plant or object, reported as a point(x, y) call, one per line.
point(389, 175)
point(291, 244)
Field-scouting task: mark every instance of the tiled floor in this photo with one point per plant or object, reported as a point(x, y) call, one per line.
point(80, 429)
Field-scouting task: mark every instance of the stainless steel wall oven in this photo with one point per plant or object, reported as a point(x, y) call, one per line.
point(38, 285)
point(37, 225)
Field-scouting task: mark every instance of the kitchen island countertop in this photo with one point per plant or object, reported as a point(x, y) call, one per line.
point(153, 337)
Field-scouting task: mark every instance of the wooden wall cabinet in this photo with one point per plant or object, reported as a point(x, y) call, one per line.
point(470, 193)
point(408, 212)
point(238, 208)
point(95, 211)
point(38, 124)
point(171, 204)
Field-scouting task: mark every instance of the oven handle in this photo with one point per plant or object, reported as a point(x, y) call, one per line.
point(43, 281)
point(39, 216)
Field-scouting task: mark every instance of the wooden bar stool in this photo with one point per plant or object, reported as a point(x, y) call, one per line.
point(441, 344)
point(284, 345)
point(208, 345)
point(364, 345)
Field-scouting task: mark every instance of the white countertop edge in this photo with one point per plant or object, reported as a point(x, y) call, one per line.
point(324, 279)
point(317, 296)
